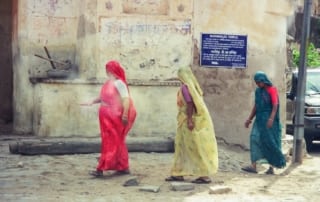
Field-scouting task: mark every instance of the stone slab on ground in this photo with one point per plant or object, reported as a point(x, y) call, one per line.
point(219, 189)
point(182, 186)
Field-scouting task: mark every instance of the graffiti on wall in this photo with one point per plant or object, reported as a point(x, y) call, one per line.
point(152, 49)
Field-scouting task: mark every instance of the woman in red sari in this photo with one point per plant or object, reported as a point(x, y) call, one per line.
point(116, 117)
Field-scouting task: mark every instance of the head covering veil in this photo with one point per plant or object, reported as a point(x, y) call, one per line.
point(115, 68)
point(262, 77)
point(187, 77)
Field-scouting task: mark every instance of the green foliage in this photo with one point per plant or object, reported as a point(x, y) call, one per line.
point(313, 56)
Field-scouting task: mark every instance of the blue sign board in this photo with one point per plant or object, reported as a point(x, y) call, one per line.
point(223, 50)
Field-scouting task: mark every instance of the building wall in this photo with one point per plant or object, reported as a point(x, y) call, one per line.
point(152, 39)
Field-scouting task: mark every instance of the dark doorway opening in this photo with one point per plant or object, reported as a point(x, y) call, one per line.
point(6, 68)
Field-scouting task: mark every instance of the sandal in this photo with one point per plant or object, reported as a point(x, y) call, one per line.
point(249, 169)
point(174, 178)
point(270, 171)
point(123, 172)
point(96, 173)
point(201, 180)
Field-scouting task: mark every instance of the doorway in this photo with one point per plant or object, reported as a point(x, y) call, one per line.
point(6, 68)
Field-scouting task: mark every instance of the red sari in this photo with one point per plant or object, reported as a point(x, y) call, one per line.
point(114, 152)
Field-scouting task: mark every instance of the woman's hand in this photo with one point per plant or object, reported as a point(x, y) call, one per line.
point(86, 104)
point(247, 123)
point(124, 119)
point(269, 123)
point(190, 124)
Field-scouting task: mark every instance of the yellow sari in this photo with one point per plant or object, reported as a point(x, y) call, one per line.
point(196, 152)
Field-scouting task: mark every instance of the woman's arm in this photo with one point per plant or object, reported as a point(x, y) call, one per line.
point(272, 115)
point(275, 103)
point(125, 104)
point(97, 100)
point(190, 106)
point(125, 99)
point(190, 110)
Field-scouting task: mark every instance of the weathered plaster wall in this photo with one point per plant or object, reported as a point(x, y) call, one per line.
point(58, 113)
point(89, 34)
point(152, 39)
point(229, 93)
point(38, 24)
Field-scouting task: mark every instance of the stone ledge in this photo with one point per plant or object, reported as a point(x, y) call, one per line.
point(61, 146)
point(100, 81)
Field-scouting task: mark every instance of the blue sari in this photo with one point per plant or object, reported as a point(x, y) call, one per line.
point(265, 143)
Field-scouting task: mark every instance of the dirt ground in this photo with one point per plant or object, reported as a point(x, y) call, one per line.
point(65, 178)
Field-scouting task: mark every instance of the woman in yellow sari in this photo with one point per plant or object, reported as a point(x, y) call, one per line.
point(196, 152)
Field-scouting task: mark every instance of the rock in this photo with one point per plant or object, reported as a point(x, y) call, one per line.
point(132, 181)
point(181, 186)
point(20, 164)
point(150, 188)
point(219, 189)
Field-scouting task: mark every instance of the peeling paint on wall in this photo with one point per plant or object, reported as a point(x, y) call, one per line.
point(85, 27)
point(142, 42)
point(53, 8)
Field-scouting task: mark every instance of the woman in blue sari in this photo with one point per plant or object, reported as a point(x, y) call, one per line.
point(265, 137)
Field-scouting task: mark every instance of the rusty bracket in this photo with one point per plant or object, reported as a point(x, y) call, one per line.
point(51, 62)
